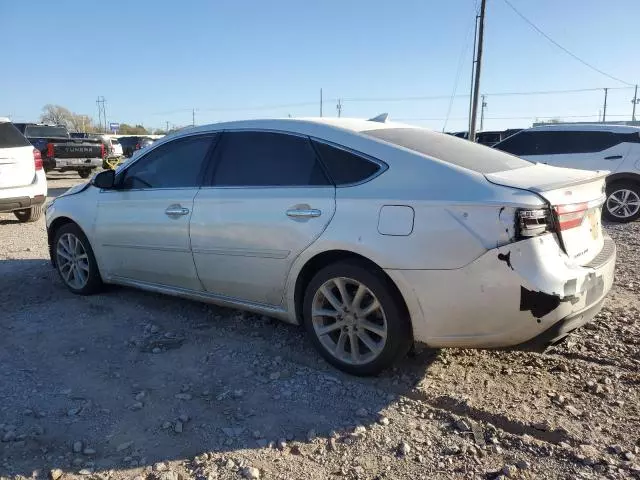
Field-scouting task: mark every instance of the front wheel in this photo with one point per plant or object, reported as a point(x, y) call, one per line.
point(623, 202)
point(75, 261)
point(355, 319)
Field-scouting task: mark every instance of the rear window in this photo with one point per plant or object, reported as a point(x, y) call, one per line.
point(449, 149)
point(11, 137)
point(45, 131)
point(114, 141)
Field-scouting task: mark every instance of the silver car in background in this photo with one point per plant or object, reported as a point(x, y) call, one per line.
point(371, 234)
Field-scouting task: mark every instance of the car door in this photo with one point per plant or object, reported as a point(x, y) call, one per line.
point(584, 149)
point(142, 226)
point(268, 200)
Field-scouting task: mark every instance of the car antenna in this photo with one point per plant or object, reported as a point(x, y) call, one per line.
point(382, 118)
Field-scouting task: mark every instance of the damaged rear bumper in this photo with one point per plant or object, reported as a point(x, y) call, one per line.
point(523, 294)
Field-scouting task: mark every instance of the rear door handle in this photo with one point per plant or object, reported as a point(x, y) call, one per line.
point(303, 212)
point(613, 157)
point(176, 211)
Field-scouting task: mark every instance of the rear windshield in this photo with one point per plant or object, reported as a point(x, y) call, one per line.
point(45, 131)
point(11, 137)
point(449, 149)
point(114, 141)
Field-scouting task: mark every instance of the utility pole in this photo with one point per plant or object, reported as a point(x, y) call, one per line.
point(473, 72)
point(635, 102)
point(484, 104)
point(193, 117)
point(604, 109)
point(102, 113)
point(476, 83)
point(339, 107)
point(167, 129)
point(321, 103)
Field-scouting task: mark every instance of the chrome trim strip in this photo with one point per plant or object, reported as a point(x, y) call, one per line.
point(241, 252)
point(270, 310)
point(147, 247)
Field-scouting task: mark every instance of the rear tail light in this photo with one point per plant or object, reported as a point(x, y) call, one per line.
point(50, 150)
point(137, 146)
point(570, 216)
point(37, 159)
point(102, 150)
point(534, 222)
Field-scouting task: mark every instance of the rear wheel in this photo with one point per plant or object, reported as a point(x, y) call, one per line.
point(28, 215)
point(75, 261)
point(355, 320)
point(85, 172)
point(623, 202)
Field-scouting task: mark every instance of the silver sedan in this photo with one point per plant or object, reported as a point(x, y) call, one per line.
point(373, 235)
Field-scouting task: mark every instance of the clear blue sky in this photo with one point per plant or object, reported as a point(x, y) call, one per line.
point(155, 60)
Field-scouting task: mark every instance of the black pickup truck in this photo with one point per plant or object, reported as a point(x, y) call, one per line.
point(61, 152)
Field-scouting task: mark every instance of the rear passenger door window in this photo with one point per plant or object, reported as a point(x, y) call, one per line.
point(345, 168)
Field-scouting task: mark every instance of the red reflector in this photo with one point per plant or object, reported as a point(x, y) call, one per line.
point(102, 150)
point(37, 159)
point(50, 150)
point(571, 216)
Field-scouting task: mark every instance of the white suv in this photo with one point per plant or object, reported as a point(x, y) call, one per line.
point(23, 184)
point(615, 148)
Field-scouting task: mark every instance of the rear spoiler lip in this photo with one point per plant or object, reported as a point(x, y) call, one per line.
point(599, 175)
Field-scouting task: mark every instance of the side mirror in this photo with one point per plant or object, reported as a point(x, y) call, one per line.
point(104, 179)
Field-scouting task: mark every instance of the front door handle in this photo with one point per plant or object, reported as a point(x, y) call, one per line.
point(176, 211)
point(613, 157)
point(303, 212)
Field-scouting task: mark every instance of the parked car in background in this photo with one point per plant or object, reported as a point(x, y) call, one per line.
point(371, 234)
point(615, 148)
point(488, 138)
point(23, 184)
point(61, 152)
point(132, 143)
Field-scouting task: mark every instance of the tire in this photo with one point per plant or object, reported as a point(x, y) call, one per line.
point(623, 202)
point(85, 172)
point(29, 215)
point(66, 251)
point(390, 319)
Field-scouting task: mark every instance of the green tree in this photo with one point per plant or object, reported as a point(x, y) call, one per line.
point(126, 129)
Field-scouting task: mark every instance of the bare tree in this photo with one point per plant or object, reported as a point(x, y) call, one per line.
point(56, 115)
point(59, 115)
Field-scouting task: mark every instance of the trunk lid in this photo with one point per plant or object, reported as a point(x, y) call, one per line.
point(17, 167)
point(575, 198)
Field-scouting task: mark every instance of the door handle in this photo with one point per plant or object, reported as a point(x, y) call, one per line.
point(176, 211)
point(613, 157)
point(303, 212)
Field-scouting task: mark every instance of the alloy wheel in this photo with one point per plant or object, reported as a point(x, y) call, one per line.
point(73, 261)
point(623, 203)
point(349, 321)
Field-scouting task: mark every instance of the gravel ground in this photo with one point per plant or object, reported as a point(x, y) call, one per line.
point(128, 384)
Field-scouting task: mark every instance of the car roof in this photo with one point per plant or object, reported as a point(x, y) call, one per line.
point(307, 126)
point(592, 127)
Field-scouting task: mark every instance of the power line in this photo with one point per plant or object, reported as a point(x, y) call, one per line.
point(418, 119)
point(568, 52)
